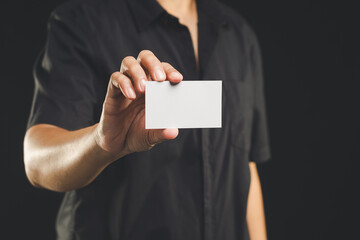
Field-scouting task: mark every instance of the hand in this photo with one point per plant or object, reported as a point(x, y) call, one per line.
point(121, 129)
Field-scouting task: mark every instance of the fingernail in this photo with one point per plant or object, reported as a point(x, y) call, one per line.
point(159, 74)
point(142, 84)
point(131, 92)
point(176, 75)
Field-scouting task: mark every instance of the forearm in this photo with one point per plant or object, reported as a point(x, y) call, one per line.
point(62, 160)
point(255, 208)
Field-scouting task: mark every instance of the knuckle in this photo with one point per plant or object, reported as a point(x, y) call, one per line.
point(134, 68)
point(114, 83)
point(122, 79)
point(145, 53)
point(115, 75)
point(126, 60)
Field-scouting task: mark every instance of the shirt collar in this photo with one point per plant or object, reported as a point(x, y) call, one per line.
point(146, 11)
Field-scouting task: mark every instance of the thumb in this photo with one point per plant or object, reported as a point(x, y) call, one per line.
point(155, 136)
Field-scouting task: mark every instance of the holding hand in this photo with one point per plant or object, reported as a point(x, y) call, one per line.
point(121, 129)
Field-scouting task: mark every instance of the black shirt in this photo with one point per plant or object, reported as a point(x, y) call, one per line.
point(194, 187)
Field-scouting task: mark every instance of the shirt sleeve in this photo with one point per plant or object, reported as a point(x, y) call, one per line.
point(64, 76)
point(260, 148)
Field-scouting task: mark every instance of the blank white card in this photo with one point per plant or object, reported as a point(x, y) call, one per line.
point(188, 104)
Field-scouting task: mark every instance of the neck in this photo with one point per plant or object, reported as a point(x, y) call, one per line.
point(186, 12)
point(178, 8)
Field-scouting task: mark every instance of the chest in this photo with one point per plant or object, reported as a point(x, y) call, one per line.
point(223, 55)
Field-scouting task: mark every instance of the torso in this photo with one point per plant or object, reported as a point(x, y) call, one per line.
point(173, 191)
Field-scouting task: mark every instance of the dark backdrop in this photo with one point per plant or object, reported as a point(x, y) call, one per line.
point(311, 64)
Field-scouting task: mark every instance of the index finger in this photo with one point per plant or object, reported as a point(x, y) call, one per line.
point(152, 65)
point(172, 74)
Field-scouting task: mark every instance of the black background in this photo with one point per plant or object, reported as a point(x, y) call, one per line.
point(311, 62)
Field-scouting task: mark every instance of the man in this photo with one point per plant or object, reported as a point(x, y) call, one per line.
point(203, 183)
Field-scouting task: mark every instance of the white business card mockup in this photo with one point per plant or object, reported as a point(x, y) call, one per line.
point(188, 104)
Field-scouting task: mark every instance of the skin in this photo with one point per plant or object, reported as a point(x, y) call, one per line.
point(62, 160)
point(255, 215)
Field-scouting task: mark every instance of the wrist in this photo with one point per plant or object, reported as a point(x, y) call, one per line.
point(103, 153)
